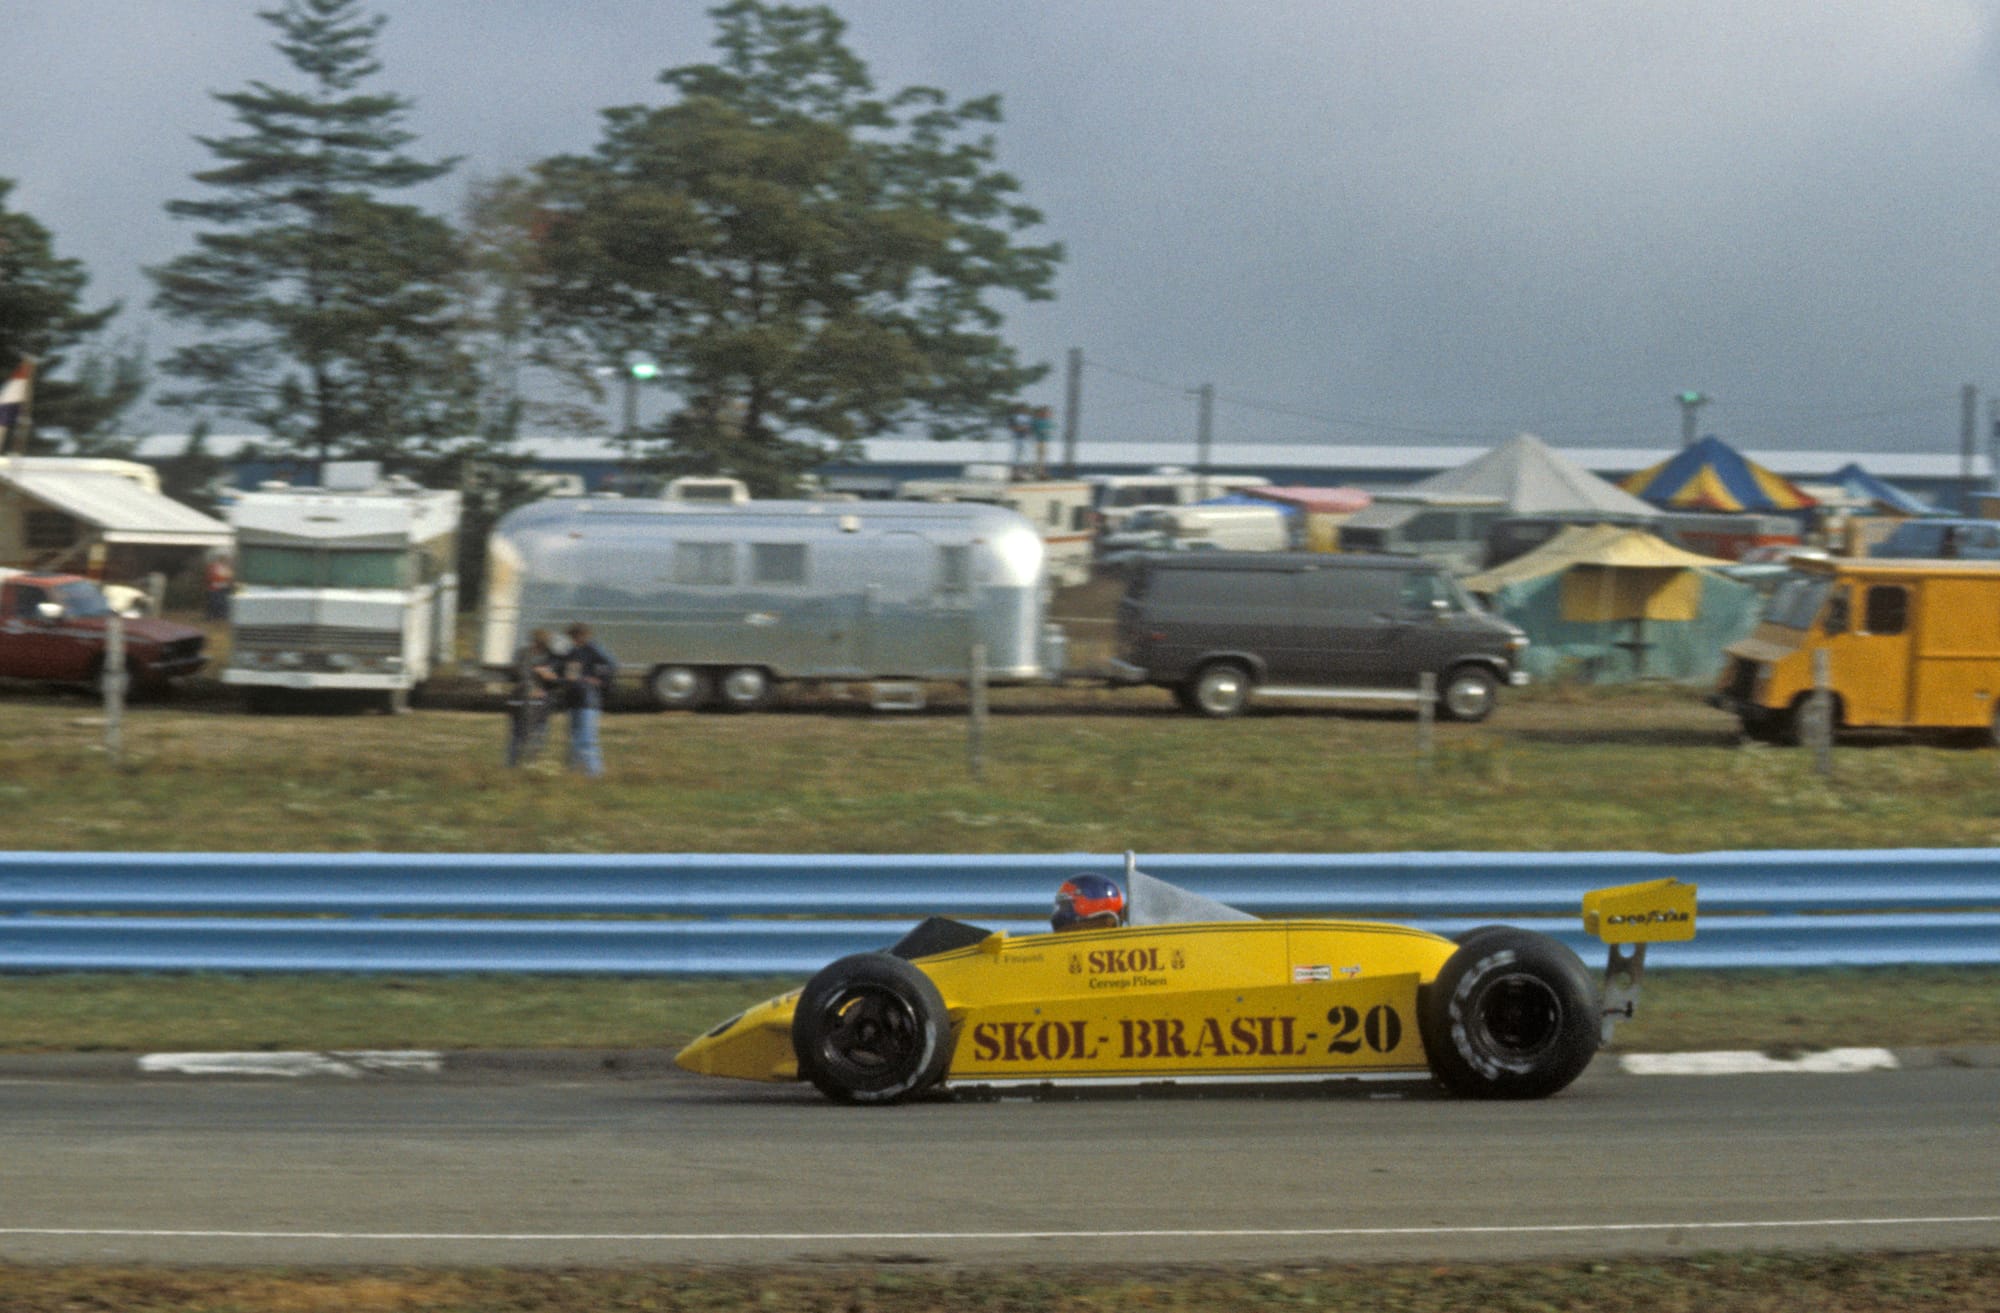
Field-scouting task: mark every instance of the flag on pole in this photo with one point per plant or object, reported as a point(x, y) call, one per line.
point(14, 406)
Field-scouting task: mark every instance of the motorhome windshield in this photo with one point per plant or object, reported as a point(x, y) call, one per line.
point(1797, 601)
point(309, 567)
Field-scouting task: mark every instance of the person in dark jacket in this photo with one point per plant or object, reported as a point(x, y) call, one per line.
point(587, 671)
point(535, 684)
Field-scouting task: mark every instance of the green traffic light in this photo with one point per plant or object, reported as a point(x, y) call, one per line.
point(644, 369)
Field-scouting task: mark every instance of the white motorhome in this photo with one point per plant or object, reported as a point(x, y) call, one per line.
point(1264, 528)
point(1116, 496)
point(710, 604)
point(1058, 508)
point(347, 588)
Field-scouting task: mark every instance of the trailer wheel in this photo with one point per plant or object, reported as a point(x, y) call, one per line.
point(744, 688)
point(1511, 1015)
point(680, 688)
point(871, 1028)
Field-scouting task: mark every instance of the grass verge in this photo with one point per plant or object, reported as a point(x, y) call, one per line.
point(1888, 1283)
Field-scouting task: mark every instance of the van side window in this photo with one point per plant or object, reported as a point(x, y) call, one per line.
point(778, 563)
point(1836, 612)
point(1421, 590)
point(1888, 610)
point(704, 564)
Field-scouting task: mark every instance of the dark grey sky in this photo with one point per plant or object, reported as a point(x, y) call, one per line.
point(1361, 222)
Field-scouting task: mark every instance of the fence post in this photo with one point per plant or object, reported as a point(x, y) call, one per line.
point(1426, 713)
point(1819, 719)
point(975, 729)
point(113, 681)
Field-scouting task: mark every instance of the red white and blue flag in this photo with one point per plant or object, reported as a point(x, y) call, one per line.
point(14, 404)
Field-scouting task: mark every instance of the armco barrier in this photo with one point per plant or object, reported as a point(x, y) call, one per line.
point(789, 914)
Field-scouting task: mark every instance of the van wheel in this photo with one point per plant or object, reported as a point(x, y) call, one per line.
point(744, 688)
point(1220, 689)
point(1469, 694)
point(680, 688)
point(1993, 730)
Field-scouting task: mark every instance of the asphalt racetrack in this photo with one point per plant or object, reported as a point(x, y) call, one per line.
point(527, 1169)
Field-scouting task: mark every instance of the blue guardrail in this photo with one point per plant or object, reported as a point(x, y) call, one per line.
point(782, 915)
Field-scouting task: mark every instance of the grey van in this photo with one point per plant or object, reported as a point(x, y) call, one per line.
point(1221, 628)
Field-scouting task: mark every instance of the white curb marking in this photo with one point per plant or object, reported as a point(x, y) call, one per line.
point(1744, 1062)
point(361, 1062)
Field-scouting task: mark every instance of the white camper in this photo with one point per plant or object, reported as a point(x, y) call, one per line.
point(350, 587)
point(710, 604)
point(1116, 496)
point(1058, 508)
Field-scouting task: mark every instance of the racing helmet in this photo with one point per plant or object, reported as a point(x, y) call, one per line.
point(1084, 895)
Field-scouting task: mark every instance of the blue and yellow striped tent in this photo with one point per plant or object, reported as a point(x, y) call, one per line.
point(1714, 476)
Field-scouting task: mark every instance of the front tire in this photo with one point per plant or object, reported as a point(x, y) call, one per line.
point(1469, 694)
point(1220, 689)
point(1511, 1015)
point(871, 1029)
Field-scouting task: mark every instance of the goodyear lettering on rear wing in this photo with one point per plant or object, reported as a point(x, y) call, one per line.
point(1652, 911)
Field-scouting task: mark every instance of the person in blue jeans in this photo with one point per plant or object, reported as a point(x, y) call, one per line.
point(587, 670)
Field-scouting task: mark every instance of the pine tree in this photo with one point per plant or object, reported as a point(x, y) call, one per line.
point(329, 311)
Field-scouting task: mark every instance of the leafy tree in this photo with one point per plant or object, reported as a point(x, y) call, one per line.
point(332, 311)
point(808, 262)
point(40, 316)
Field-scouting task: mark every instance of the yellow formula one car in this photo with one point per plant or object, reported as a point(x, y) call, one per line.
point(1195, 990)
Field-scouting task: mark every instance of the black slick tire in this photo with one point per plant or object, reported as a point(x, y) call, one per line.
point(1511, 1015)
point(871, 1029)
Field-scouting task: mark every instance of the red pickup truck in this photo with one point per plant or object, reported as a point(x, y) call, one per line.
point(52, 628)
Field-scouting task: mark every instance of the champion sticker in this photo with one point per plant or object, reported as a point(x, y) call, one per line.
point(1302, 975)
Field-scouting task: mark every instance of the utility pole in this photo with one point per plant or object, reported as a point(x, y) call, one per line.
point(1204, 424)
point(1690, 403)
point(1968, 438)
point(1072, 410)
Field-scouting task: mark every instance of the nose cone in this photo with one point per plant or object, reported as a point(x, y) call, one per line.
point(754, 1045)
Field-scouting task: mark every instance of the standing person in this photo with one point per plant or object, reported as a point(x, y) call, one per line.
point(219, 580)
point(535, 682)
point(587, 672)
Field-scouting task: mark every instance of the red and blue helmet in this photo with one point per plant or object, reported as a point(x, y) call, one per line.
point(1085, 895)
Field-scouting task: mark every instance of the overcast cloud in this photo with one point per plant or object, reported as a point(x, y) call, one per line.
point(1361, 222)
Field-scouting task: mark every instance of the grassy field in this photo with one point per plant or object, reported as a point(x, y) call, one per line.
point(1891, 1283)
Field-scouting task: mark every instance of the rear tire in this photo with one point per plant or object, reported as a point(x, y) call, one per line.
point(871, 1029)
point(1511, 1015)
point(1220, 689)
point(680, 688)
point(743, 688)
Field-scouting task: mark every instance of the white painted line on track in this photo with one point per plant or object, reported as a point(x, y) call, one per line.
point(1737, 1063)
point(800, 1237)
point(359, 1062)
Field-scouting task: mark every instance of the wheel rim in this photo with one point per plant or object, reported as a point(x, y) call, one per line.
point(744, 685)
point(1518, 1017)
point(1468, 695)
point(869, 1034)
point(1221, 690)
point(676, 684)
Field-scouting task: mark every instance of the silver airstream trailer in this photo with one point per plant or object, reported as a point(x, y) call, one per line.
point(711, 603)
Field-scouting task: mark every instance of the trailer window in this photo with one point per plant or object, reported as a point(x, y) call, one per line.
point(954, 569)
point(276, 567)
point(778, 563)
point(1888, 609)
point(374, 569)
point(704, 564)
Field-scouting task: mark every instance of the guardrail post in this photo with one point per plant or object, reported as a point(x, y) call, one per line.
point(1426, 714)
point(113, 679)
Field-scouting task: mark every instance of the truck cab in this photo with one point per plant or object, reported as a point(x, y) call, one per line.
point(1908, 645)
point(52, 627)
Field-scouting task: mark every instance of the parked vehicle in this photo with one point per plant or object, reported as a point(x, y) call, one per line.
point(350, 588)
point(1223, 629)
point(1909, 645)
point(52, 627)
point(1728, 534)
point(1942, 540)
point(1114, 497)
point(710, 604)
point(1203, 528)
point(1448, 528)
point(1058, 508)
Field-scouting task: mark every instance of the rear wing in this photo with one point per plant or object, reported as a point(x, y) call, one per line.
point(1628, 917)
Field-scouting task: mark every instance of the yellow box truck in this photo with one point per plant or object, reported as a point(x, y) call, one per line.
point(1910, 645)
